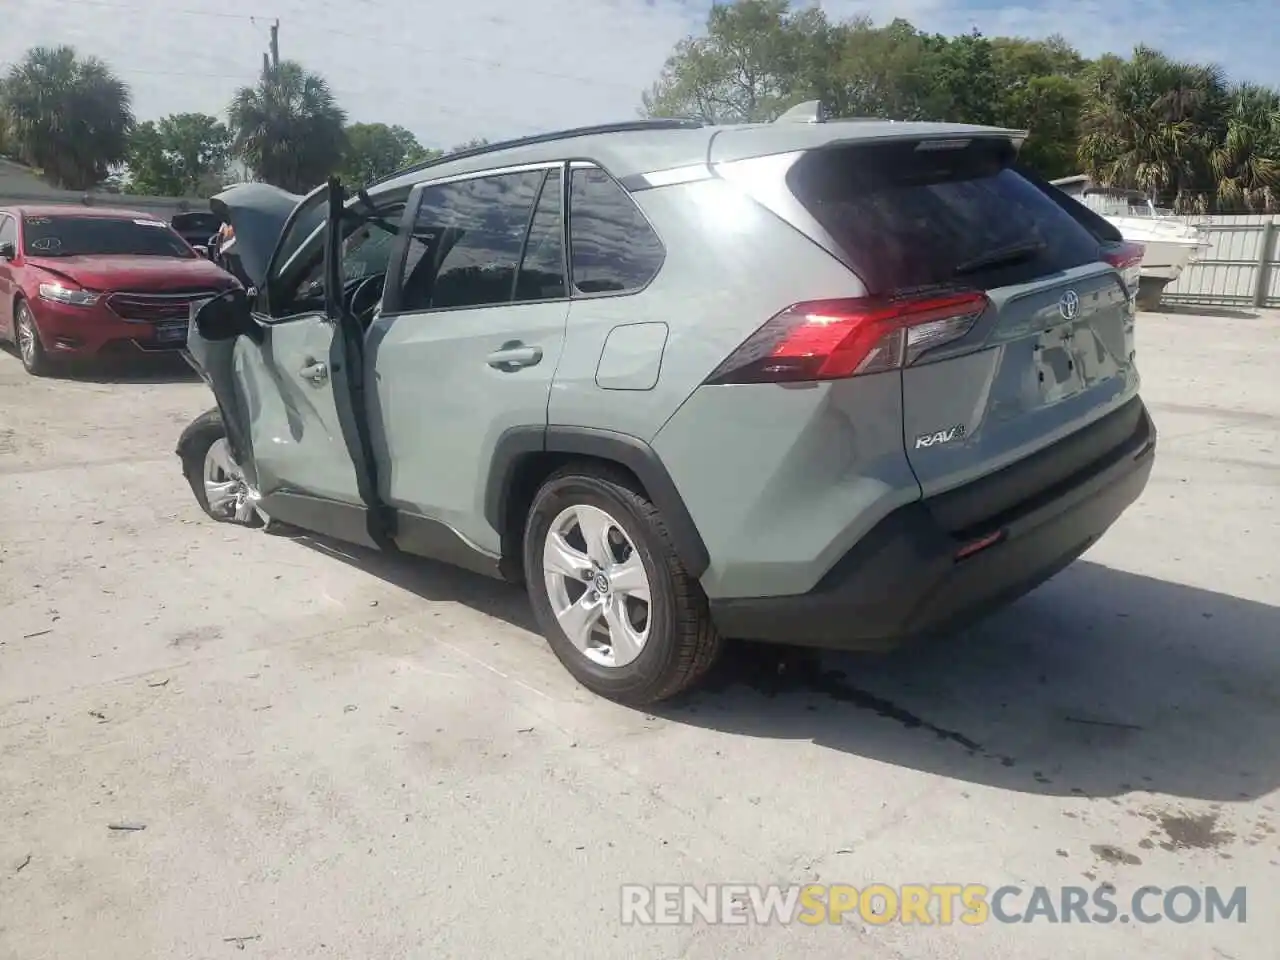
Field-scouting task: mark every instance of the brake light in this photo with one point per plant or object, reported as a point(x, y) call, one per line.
point(834, 339)
point(1126, 257)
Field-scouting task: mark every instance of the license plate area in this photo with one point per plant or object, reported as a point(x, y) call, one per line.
point(175, 332)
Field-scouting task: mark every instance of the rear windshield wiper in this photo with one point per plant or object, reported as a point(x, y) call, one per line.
point(1001, 257)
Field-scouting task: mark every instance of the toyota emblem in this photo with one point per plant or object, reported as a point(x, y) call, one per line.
point(1069, 305)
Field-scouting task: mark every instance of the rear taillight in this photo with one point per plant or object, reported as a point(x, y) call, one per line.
point(1126, 257)
point(833, 339)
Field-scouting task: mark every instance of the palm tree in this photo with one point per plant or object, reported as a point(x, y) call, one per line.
point(69, 117)
point(1149, 123)
point(1244, 165)
point(289, 129)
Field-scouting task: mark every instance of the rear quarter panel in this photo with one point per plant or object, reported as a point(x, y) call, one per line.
point(730, 265)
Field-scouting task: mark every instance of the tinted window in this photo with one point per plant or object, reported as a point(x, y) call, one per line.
point(8, 229)
point(542, 269)
point(916, 218)
point(466, 242)
point(366, 251)
point(614, 248)
point(102, 237)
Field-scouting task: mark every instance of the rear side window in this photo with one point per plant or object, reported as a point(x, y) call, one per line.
point(8, 229)
point(614, 250)
point(467, 240)
point(909, 216)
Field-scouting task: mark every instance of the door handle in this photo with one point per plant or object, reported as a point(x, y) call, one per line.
point(514, 356)
point(316, 372)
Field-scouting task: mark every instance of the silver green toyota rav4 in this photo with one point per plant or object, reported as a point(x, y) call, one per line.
point(839, 384)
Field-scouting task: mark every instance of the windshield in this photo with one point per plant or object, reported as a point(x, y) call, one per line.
point(101, 237)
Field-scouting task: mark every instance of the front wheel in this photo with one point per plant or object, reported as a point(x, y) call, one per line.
point(611, 596)
point(215, 478)
point(27, 338)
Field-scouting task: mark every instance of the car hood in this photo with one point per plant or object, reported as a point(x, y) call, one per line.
point(257, 212)
point(159, 274)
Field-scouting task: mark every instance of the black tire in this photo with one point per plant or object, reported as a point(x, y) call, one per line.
point(203, 433)
point(682, 644)
point(38, 363)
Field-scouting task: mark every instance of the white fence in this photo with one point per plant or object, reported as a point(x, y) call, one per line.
point(1241, 268)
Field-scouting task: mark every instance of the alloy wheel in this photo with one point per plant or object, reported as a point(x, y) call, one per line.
point(597, 585)
point(26, 332)
point(225, 488)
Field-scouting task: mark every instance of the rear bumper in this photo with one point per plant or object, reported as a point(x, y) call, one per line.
point(903, 580)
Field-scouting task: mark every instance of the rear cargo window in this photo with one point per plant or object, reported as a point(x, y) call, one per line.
point(909, 216)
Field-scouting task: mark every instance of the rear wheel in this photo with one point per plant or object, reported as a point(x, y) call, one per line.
point(215, 478)
point(611, 596)
point(27, 339)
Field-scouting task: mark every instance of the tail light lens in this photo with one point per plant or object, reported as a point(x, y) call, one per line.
point(834, 339)
point(1126, 257)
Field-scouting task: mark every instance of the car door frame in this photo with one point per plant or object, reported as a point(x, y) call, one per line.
point(367, 522)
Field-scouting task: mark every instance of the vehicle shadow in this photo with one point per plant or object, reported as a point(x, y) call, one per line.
point(431, 580)
point(1196, 310)
point(160, 368)
point(1100, 683)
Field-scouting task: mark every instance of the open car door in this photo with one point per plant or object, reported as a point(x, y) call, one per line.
point(289, 379)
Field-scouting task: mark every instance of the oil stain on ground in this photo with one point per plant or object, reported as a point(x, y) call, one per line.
point(772, 670)
point(1186, 831)
point(1109, 854)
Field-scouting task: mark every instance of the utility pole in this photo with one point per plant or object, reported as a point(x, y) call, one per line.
point(275, 44)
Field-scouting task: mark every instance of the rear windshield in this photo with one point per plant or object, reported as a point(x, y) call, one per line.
point(99, 237)
point(909, 218)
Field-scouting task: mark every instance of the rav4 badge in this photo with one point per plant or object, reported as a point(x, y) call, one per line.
point(942, 436)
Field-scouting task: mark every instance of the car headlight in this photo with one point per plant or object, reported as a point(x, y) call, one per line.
point(60, 294)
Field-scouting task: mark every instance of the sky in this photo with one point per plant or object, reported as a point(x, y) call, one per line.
point(450, 70)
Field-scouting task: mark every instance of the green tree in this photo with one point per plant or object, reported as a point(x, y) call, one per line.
point(178, 155)
point(375, 150)
point(1244, 166)
point(67, 116)
point(288, 129)
point(469, 145)
point(1151, 123)
point(750, 65)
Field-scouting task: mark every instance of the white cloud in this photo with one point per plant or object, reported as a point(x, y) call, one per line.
point(499, 68)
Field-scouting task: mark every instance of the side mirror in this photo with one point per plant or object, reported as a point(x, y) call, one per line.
point(202, 250)
point(8, 251)
point(226, 317)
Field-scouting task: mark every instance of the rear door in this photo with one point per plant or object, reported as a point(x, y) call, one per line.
point(1053, 349)
point(466, 346)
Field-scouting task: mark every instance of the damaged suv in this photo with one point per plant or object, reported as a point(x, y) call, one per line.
point(841, 384)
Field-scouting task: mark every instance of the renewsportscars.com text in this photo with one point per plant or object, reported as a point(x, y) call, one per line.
point(927, 904)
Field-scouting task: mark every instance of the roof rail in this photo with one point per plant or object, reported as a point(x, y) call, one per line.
point(625, 126)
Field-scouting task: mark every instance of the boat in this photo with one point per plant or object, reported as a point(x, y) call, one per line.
point(1170, 243)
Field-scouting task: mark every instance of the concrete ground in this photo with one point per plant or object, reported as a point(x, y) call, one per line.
point(337, 756)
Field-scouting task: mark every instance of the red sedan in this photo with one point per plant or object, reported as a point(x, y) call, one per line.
point(86, 282)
